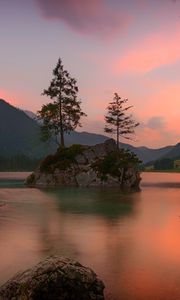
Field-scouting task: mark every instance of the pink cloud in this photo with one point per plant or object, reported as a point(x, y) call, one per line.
point(158, 113)
point(94, 17)
point(162, 107)
point(156, 50)
point(164, 102)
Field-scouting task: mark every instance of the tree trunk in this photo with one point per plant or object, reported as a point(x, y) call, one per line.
point(62, 138)
point(60, 121)
point(122, 175)
point(117, 138)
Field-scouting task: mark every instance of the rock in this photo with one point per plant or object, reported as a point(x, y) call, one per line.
point(44, 179)
point(110, 145)
point(99, 150)
point(85, 179)
point(56, 278)
point(64, 177)
point(131, 179)
point(112, 181)
point(90, 155)
point(80, 159)
point(99, 165)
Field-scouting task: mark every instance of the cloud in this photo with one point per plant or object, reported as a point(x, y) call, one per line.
point(156, 123)
point(94, 17)
point(160, 118)
point(155, 137)
point(154, 51)
point(165, 102)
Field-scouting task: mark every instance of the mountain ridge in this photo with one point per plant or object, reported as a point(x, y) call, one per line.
point(20, 133)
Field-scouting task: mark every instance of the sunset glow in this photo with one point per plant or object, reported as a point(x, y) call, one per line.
point(132, 48)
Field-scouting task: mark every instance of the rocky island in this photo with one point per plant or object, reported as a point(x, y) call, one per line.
point(55, 278)
point(88, 166)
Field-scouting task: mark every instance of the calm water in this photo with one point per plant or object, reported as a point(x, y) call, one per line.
point(132, 241)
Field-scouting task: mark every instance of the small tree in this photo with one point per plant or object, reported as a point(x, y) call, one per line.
point(118, 122)
point(64, 113)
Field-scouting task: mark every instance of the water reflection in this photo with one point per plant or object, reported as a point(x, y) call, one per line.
point(110, 203)
point(164, 180)
point(131, 240)
point(12, 179)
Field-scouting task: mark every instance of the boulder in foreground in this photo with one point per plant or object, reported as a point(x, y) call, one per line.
point(56, 278)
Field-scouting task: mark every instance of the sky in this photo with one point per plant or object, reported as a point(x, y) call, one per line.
point(130, 47)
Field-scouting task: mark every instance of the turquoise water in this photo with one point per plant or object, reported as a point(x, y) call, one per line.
point(131, 240)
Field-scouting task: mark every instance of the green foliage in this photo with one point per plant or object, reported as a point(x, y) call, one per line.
point(30, 179)
point(70, 152)
point(62, 159)
point(164, 164)
point(64, 113)
point(114, 162)
point(128, 158)
point(18, 163)
point(118, 122)
point(109, 165)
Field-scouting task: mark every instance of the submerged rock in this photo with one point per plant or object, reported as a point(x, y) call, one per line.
point(85, 166)
point(56, 278)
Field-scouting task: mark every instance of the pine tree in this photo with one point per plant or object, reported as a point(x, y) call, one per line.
point(118, 122)
point(64, 113)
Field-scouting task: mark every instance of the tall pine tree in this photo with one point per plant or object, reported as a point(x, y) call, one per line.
point(118, 122)
point(64, 113)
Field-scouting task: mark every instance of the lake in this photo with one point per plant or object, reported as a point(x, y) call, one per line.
point(131, 240)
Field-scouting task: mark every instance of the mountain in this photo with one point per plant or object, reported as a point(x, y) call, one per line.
point(75, 137)
point(84, 138)
point(20, 134)
point(148, 154)
point(30, 114)
point(174, 152)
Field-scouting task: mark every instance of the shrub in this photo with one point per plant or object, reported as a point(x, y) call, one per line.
point(62, 159)
point(30, 179)
point(114, 162)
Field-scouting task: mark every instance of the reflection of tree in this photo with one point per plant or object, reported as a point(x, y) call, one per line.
point(92, 239)
point(85, 224)
point(51, 231)
point(110, 203)
point(91, 226)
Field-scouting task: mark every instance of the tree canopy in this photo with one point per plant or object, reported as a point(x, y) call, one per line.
point(118, 122)
point(64, 113)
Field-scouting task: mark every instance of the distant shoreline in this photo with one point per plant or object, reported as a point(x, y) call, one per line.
point(161, 171)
